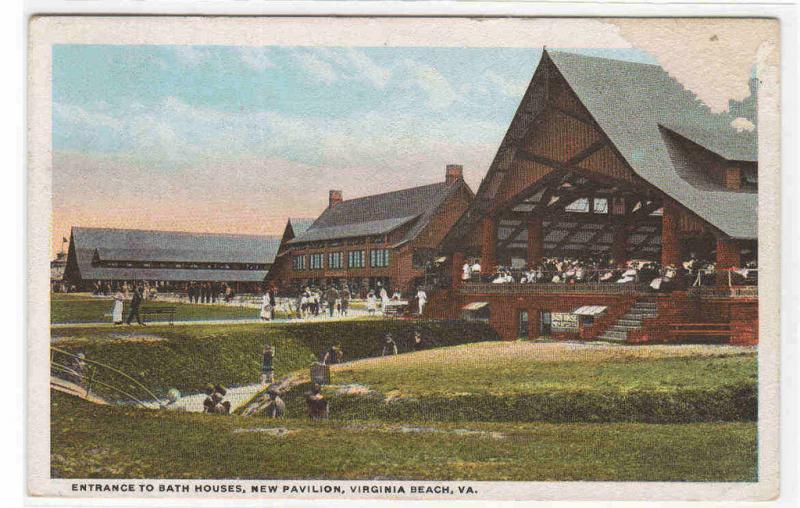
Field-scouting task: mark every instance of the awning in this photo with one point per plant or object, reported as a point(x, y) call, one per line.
point(475, 305)
point(590, 310)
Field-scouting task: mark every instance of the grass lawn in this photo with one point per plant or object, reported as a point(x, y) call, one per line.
point(524, 381)
point(188, 357)
point(91, 441)
point(71, 308)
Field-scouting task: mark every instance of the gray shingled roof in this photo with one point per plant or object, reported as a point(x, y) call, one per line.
point(379, 214)
point(632, 102)
point(636, 105)
point(170, 246)
point(300, 225)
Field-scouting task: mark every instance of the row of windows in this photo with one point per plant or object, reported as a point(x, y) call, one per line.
point(349, 241)
point(355, 259)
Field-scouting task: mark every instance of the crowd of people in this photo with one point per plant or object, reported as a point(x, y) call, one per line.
point(564, 270)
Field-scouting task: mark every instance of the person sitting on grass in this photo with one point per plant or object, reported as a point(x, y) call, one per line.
point(332, 355)
point(316, 403)
point(267, 372)
point(208, 403)
point(389, 345)
point(173, 396)
point(275, 408)
point(416, 343)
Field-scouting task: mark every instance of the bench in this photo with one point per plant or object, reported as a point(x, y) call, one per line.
point(700, 330)
point(150, 312)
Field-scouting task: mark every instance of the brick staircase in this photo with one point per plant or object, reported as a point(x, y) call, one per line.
point(643, 308)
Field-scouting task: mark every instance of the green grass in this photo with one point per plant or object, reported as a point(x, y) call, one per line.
point(494, 381)
point(90, 441)
point(71, 308)
point(188, 357)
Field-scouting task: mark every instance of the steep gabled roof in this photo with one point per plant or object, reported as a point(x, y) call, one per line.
point(300, 225)
point(135, 245)
point(636, 105)
point(380, 213)
point(632, 102)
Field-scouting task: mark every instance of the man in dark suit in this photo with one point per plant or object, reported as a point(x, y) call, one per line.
point(136, 301)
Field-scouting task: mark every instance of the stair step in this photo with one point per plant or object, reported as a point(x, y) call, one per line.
point(611, 339)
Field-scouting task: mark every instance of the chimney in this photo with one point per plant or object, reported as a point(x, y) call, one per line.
point(453, 173)
point(334, 197)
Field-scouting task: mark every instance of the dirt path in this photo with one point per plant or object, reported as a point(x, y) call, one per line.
point(237, 396)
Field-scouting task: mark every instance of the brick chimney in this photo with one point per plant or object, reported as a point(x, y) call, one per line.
point(334, 197)
point(453, 173)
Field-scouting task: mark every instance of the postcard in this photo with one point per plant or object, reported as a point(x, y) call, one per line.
point(460, 258)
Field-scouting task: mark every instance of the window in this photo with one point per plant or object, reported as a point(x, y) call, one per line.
point(545, 323)
point(600, 205)
point(355, 259)
point(379, 258)
point(315, 261)
point(299, 263)
point(580, 205)
point(522, 331)
point(335, 260)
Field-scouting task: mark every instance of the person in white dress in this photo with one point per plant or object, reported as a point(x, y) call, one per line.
point(116, 313)
point(422, 299)
point(466, 272)
point(266, 307)
point(372, 303)
point(384, 299)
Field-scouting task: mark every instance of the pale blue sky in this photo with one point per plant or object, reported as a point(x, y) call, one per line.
point(269, 130)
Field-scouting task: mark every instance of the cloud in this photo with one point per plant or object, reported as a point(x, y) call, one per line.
point(508, 87)
point(317, 68)
point(743, 124)
point(80, 117)
point(255, 58)
point(440, 93)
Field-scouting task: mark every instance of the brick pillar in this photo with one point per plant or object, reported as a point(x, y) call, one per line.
point(488, 244)
point(534, 240)
point(455, 271)
point(670, 242)
point(728, 256)
point(619, 247)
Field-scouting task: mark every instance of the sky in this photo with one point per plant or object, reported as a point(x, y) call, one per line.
point(238, 139)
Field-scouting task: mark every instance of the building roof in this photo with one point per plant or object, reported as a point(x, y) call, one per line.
point(639, 107)
point(380, 213)
point(170, 246)
point(300, 225)
point(633, 103)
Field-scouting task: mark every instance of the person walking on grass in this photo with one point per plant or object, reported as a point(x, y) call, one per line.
point(345, 299)
point(331, 295)
point(267, 371)
point(275, 408)
point(116, 313)
point(136, 301)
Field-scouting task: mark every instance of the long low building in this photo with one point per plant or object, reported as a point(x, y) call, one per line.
point(169, 259)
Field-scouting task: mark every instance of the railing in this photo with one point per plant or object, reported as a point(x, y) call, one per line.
point(516, 288)
point(86, 374)
point(731, 283)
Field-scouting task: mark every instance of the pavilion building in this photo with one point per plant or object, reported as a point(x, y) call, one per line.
point(167, 259)
point(384, 239)
point(617, 159)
